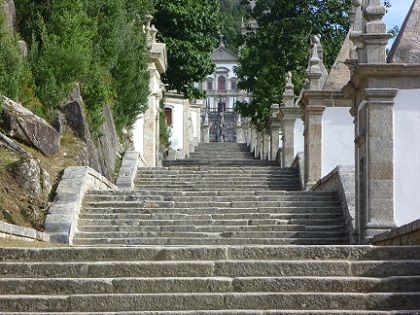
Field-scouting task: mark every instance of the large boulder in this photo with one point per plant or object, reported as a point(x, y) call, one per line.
point(32, 177)
point(20, 123)
point(101, 153)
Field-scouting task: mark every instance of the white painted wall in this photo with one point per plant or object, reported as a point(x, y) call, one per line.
point(299, 142)
point(138, 132)
point(337, 139)
point(177, 130)
point(407, 156)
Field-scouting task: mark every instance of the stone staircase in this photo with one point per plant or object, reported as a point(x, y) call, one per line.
point(218, 234)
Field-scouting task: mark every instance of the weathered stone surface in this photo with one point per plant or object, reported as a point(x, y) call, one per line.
point(23, 47)
point(76, 181)
point(6, 142)
point(100, 154)
point(20, 123)
point(339, 74)
point(128, 170)
point(18, 232)
point(32, 177)
point(10, 12)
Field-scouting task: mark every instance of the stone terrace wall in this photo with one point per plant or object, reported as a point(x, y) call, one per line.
point(406, 235)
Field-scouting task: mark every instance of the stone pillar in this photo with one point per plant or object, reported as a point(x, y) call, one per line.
point(253, 140)
point(374, 163)
point(205, 129)
point(240, 130)
point(289, 112)
point(313, 144)
point(149, 134)
point(266, 146)
point(274, 126)
point(258, 147)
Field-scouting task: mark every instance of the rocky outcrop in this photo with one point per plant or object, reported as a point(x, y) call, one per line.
point(20, 123)
point(32, 177)
point(10, 13)
point(100, 154)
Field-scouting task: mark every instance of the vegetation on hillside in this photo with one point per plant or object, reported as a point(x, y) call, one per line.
point(230, 18)
point(281, 45)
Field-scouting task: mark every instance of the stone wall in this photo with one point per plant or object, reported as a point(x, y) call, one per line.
point(342, 181)
point(406, 235)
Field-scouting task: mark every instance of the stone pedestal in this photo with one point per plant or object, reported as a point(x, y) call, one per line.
point(274, 129)
point(266, 146)
point(151, 128)
point(289, 115)
point(205, 133)
point(313, 144)
point(258, 147)
point(253, 139)
point(374, 163)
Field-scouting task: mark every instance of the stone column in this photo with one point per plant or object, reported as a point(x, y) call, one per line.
point(240, 130)
point(274, 127)
point(253, 140)
point(374, 163)
point(266, 146)
point(149, 135)
point(205, 129)
point(313, 144)
point(258, 147)
point(289, 112)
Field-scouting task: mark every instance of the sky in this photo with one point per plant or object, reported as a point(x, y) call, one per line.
point(397, 12)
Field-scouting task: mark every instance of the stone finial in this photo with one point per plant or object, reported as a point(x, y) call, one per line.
point(375, 36)
point(147, 28)
point(289, 92)
point(356, 30)
point(153, 33)
point(314, 71)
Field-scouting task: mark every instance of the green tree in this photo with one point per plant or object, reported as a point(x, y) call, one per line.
point(281, 45)
point(190, 30)
point(12, 69)
point(97, 43)
point(230, 18)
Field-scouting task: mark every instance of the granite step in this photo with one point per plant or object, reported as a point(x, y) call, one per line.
point(209, 301)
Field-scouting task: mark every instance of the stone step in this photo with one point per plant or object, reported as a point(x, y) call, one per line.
point(295, 187)
point(216, 204)
point(253, 222)
point(210, 211)
point(223, 268)
point(140, 197)
point(215, 235)
point(214, 193)
point(210, 301)
point(31, 286)
point(161, 241)
point(214, 217)
point(251, 252)
point(171, 228)
point(232, 312)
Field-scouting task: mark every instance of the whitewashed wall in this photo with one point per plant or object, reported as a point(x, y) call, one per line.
point(138, 133)
point(177, 130)
point(407, 156)
point(299, 142)
point(337, 139)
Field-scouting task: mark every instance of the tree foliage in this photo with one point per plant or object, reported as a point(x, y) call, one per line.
point(97, 43)
point(190, 30)
point(230, 18)
point(281, 45)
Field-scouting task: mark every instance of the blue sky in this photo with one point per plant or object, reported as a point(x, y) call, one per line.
point(397, 12)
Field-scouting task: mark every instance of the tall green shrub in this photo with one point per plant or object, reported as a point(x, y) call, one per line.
point(11, 62)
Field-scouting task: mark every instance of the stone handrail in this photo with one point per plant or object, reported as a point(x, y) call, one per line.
point(61, 222)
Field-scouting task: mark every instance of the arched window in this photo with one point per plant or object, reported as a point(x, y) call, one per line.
point(221, 82)
point(233, 85)
point(168, 116)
